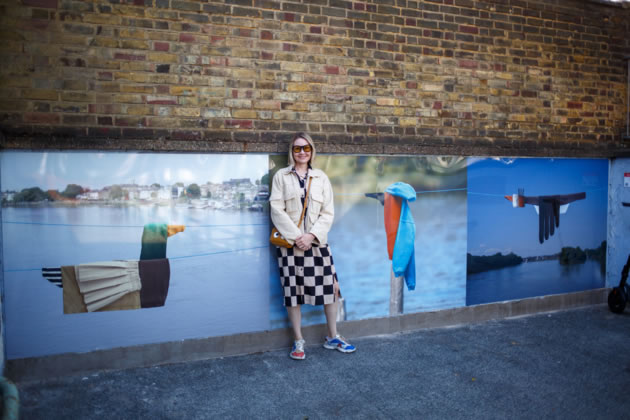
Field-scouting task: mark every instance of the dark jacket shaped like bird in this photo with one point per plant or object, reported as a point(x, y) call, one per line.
point(548, 207)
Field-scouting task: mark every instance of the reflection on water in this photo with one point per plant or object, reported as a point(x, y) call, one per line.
point(358, 243)
point(215, 289)
point(532, 279)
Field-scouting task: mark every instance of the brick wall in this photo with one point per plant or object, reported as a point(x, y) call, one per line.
point(494, 77)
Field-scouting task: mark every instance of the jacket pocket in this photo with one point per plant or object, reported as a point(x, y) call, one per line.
point(293, 206)
point(315, 204)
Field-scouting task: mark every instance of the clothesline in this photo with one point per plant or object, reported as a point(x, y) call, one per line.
point(123, 226)
point(417, 192)
point(22, 270)
point(503, 195)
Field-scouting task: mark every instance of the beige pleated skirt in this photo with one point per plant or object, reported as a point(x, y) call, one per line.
point(102, 283)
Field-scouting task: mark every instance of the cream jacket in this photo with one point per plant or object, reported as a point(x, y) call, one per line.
point(286, 205)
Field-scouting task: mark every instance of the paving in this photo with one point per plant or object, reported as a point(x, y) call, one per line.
point(572, 364)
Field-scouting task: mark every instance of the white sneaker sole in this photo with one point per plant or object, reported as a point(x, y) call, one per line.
point(329, 347)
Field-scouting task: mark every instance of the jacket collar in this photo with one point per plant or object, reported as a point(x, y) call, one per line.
point(313, 172)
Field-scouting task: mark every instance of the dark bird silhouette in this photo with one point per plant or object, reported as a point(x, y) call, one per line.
point(379, 196)
point(548, 207)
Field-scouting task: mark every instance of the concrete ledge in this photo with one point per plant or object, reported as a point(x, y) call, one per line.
point(48, 367)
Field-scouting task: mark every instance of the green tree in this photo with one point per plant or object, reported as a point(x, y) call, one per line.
point(116, 192)
point(193, 191)
point(72, 190)
point(30, 195)
point(265, 179)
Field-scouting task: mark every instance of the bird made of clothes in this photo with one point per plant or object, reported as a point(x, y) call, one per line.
point(548, 207)
point(120, 284)
point(401, 231)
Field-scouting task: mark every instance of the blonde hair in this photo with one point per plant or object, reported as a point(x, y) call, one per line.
point(309, 140)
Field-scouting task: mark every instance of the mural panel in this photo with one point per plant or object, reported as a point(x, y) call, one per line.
point(182, 235)
point(358, 238)
point(535, 227)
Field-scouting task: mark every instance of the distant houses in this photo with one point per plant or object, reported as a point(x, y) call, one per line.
point(236, 192)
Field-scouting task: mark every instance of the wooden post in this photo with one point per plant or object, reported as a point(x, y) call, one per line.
point(396, 294)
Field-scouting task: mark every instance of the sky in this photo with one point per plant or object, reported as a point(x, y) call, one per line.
point(55, 170)
point(495, 226)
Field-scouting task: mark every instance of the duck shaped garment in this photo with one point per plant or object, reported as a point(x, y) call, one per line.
point(120, 284)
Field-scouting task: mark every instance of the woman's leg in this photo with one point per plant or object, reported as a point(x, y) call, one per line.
point(295, 316)
point(331, 318)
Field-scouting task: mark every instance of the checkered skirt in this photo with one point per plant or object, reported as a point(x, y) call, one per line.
point(307, 277)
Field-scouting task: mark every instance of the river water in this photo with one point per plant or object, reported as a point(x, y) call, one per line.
point(533, 279)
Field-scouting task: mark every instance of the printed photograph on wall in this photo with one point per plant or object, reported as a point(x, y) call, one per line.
point(358, 238)
point(535, 227)
point(89, 236)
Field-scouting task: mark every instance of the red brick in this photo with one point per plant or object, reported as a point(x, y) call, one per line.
point(412, 85)
point(574, 105)
point(332, 69)
point(161, 46)
point(218, 61)
point(468, 29)
point(239, 124)
point(316, 29)
point(186, 38)
point(41, 118)
point(266, 55)
point(266, 35)
point(468, 64)
point(437, 105)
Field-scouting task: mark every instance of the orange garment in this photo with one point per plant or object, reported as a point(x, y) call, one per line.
point(393, 206)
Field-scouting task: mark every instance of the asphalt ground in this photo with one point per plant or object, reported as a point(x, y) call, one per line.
point(572, 364)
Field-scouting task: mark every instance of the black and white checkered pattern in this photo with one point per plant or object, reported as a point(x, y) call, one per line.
point(307, 277)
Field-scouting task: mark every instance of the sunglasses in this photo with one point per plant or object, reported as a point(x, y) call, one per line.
point(307, 148)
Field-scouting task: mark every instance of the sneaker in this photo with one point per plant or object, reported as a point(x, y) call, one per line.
point(297, 352)
point(339, 343)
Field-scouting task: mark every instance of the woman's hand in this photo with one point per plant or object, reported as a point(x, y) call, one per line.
point(336, 288)
point(305, 241)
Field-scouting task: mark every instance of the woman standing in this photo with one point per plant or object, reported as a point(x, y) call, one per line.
point(307, 271)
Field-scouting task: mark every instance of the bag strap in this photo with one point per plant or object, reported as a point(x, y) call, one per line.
point(305, 201)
